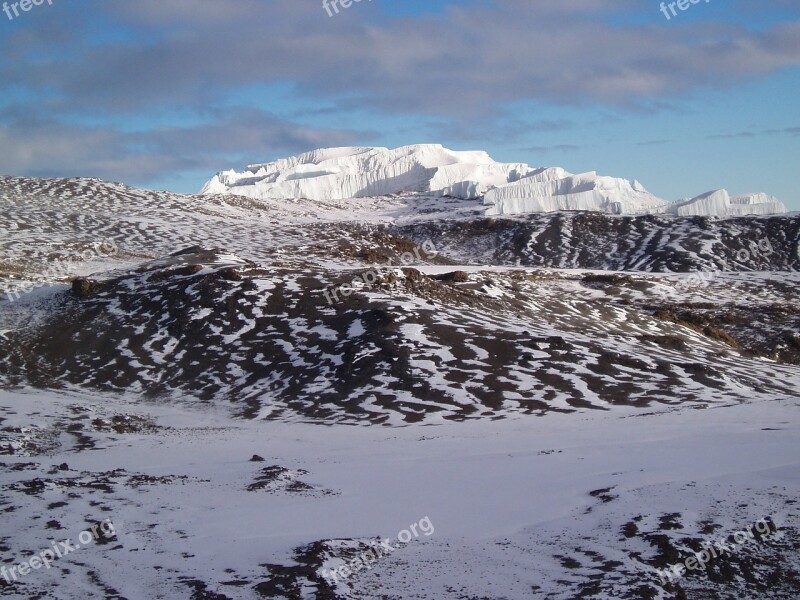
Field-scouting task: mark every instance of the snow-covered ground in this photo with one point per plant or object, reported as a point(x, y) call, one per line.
point(555, 405)
point(534, 507)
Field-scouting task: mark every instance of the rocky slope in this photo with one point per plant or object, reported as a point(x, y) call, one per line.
point(572, 401)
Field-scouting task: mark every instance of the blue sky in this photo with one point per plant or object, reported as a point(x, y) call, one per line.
point(163, 94)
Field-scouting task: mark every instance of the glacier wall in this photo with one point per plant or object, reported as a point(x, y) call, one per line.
point(506, 188)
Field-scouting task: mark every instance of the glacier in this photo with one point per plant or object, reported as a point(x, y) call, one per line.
point(719, 202)
point(504, 188)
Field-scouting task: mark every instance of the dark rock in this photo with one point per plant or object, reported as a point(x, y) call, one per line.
point(83, 287)
point(453, 277)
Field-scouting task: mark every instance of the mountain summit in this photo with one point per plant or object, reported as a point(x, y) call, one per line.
point(506, 188)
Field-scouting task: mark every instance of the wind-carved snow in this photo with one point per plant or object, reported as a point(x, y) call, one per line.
point(506, 188)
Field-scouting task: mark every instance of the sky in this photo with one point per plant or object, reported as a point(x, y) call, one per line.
point(164, 94)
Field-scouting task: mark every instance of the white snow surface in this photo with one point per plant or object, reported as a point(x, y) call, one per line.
point(719, 202)
point(339, 173)
point(507, 188)
point(507, 500)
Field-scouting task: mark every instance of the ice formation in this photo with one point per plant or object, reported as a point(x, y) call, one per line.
point(506, 188)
